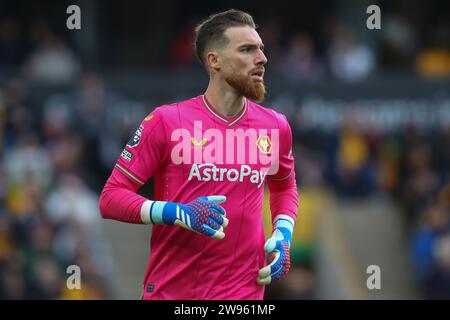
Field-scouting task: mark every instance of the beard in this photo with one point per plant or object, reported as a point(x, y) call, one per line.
point(245, 86)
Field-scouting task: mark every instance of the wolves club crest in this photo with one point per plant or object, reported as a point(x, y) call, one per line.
point(264, 144)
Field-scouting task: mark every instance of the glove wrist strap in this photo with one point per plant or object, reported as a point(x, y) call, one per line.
point(156, 212)
point(285, 224)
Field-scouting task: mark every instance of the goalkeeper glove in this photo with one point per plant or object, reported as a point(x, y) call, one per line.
point(203, 215)
point(278, 246)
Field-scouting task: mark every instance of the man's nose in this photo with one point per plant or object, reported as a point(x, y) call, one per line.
point(261, 59)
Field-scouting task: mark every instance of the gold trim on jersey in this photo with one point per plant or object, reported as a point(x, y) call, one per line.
point(210, 109)
point(129, 174)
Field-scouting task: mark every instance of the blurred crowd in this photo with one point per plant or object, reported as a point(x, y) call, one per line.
point(410, 166)
point(58, 147)
point(50, 178)
point(333, 51)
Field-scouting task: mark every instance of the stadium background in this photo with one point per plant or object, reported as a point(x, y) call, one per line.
point(370, 112)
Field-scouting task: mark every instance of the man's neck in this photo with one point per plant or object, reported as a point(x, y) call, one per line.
point(224, 99)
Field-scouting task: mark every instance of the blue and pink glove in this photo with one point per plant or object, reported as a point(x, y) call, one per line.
point(203, 215)
point(278, 247)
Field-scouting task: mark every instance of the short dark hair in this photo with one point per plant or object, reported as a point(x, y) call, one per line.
point(211, 30)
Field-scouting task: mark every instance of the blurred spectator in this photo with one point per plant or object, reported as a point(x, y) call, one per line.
point(93, 280)
point(102, 130)
point(433, 60)
point(182, 49)
point(13, 284)
point(18, 116)
point(355, 172)
point(301, 62)
point(398, 41)
point(6, 241)
point(21, 170)
point(443, 197)
point(52, 61)
point(388, 157)
point(300, 284)
point(421, 182)
point(270, 33)
point(91, 101)
point(58, 118)
point(71, 201)
point(348, 59)
point(431, 253)
point(440, 144)
point(12, 48)
point(42, 270)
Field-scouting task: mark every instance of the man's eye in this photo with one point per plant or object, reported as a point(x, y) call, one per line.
point(245, 49)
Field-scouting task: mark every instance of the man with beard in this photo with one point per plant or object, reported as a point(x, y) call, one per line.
point(216, 147)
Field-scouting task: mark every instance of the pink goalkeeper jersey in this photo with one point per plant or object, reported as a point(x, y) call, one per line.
point(191, 151)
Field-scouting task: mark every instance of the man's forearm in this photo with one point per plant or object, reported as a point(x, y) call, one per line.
point(283, 196)
point(119, 200)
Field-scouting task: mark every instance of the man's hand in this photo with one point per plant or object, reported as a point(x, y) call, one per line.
point(203, 215)
point(278, 248)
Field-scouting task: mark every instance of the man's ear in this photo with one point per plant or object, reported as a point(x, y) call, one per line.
point(213, 60)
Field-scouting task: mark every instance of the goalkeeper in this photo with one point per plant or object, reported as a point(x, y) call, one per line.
point(210, 157)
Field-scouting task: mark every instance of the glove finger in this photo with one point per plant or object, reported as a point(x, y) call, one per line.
point(264, 272)
point(270, 245)
point(219, 218)
point(275, 263)
point(216, 199)
point(274, 271)
point(217, 208)
point(264, 281)
point(281, 266)
point(210, 221)
point(225, 222)
point(267, 270)
point(211, 203)
point(264, 276)
point(280, 272)
point(217, 234)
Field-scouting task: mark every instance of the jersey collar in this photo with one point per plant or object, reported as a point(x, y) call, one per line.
point(228, 120)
